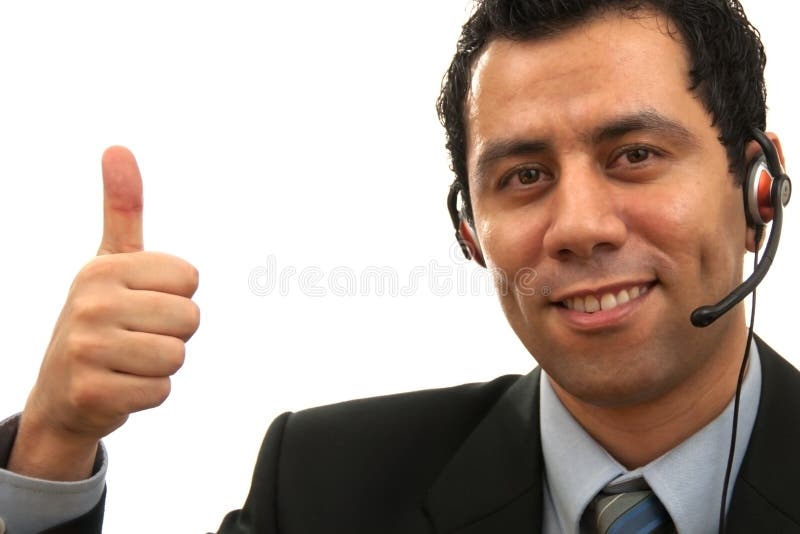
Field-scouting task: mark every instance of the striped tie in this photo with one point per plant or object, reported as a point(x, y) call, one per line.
point(633, 512)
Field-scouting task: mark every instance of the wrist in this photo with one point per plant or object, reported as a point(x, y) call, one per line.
point(41, 451)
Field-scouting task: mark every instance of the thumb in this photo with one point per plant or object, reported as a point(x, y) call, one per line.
point(122, 203)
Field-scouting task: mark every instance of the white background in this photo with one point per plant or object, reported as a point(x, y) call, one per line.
point(300, 131)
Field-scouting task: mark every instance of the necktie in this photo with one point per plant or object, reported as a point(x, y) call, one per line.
point(617, 511)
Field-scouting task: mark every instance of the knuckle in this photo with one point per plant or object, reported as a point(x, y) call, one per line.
point(97, 268)
point(81, 308)
point(84, 396)
point(83, 348)
point(90, 309)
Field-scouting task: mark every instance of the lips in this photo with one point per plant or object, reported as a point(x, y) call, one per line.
point(604, 301)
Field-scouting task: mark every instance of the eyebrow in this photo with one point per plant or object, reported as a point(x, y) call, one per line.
point(646, 120)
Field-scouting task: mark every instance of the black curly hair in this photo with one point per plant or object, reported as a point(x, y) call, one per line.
point(726, 70)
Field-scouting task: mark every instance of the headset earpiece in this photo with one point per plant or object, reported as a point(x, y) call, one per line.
point(469, 247)
point(759, 209)
point(766, 185)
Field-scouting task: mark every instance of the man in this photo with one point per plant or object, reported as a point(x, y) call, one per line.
point(601, 145)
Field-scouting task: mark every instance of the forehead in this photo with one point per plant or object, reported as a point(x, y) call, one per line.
point(558, 88)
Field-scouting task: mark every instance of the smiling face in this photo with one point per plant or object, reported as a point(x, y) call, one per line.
point(601, 192)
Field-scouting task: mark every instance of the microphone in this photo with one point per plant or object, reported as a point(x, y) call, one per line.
point(705, 315)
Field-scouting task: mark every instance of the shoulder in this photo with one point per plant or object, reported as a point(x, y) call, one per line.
point(780, 380)
point(420, 419)
point(467, 401)
point(766, 494)
point(366, 460)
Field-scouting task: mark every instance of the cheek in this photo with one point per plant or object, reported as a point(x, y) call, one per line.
point(510, 239)
point(512, 247)
point(701, 236)
point(667, 222)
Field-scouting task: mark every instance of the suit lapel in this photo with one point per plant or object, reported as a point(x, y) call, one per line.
point(494, 481)
point(766, 497)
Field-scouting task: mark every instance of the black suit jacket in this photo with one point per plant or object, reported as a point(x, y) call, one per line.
point(468, 460)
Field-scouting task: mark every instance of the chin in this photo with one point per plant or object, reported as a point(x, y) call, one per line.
point(618, 394)
point(617, 381)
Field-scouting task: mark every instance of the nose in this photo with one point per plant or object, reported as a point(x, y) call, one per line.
point(585, 216)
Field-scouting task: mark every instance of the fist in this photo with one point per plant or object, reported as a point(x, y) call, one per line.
point(118, 339)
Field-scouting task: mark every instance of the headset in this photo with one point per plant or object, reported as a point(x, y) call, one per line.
point(766, 190)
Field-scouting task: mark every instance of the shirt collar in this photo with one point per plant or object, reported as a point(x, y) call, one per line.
point(577, 467)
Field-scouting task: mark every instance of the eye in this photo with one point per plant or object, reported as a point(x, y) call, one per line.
point(528, 176)
point(637, 155)
point(523, 176)
point(636, 158)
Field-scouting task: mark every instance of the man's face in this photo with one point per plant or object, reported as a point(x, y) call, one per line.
point(603, 196)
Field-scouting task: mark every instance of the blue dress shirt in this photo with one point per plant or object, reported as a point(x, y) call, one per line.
point(29, 505)
point(687, 479)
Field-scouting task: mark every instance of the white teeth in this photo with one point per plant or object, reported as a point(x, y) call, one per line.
point(606, 301)
point(592, 304)
point(623, 297)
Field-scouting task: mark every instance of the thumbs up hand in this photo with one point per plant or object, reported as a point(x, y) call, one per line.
point(120, 336)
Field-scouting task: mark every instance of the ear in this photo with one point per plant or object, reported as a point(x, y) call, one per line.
point(470, 241)
point(777, 142)
point(752, 151)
